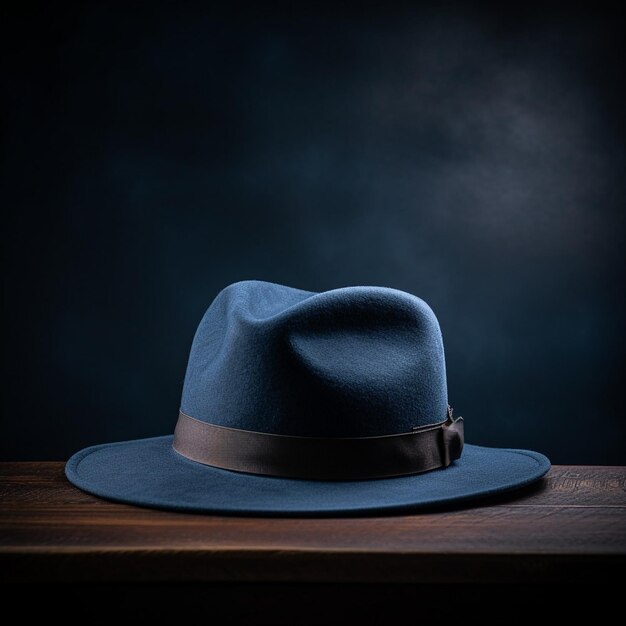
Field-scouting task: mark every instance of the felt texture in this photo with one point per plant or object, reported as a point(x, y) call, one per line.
point(352, 362)
point(149, 472)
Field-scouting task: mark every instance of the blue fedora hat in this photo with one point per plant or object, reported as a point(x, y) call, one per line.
point(300, 403)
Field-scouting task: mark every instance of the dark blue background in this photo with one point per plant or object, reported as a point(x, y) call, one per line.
point(151, 156)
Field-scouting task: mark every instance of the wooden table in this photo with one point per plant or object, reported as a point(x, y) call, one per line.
point(570, 527)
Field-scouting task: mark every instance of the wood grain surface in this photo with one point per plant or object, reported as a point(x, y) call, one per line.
point(569, 527)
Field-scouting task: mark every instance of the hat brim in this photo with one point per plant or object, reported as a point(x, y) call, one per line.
point(148, 472)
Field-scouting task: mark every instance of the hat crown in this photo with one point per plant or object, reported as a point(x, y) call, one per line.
point(351, 362)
